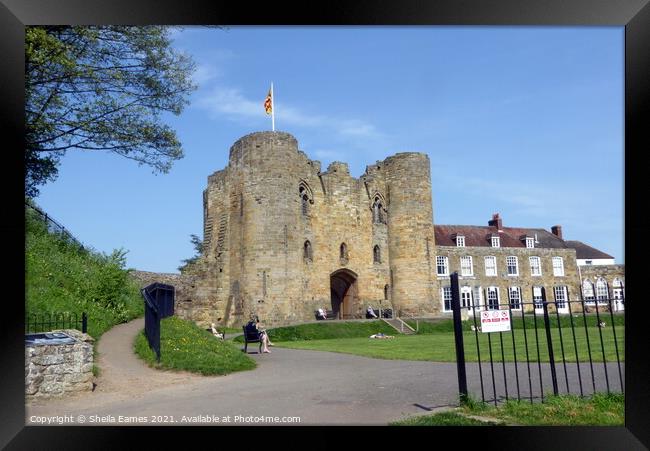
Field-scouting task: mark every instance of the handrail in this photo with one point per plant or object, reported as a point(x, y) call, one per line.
point(417, 323)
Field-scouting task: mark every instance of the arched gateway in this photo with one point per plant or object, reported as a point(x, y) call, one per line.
point(343, 288)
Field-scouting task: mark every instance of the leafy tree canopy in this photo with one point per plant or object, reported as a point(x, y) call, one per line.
point(198, 248)
point(102, 88)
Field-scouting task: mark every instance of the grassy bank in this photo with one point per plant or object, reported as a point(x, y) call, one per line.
point(566, 410)
point(60, 276)
point(327, 331)
point(185, 346)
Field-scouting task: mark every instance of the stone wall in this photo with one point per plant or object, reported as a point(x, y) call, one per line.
point(54, 370)
point(190, 300)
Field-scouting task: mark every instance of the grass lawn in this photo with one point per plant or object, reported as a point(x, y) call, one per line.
point(438, 345)
point(185, 346)
point(566, 410)
point(443, 419)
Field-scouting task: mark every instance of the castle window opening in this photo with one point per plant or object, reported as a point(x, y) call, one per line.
point(386, 291)
point(376, 254)
point(307, 252)
point(305, 198)
point(343, 254)
point(377, 212)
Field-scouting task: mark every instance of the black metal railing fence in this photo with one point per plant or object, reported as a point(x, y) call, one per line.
point(53, 226)
point(48, 321)
point(558, 347)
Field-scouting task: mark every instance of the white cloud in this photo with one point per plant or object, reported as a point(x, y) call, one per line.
point(231, 102)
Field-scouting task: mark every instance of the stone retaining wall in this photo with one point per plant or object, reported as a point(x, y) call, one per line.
point(58, 369)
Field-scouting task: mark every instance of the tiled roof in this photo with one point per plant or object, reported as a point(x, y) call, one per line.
point(585, 251)
point(509, 236)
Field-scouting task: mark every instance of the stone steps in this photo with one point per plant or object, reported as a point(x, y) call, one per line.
point(399, 325)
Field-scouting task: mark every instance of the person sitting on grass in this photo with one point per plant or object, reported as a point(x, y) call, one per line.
point(215, 332)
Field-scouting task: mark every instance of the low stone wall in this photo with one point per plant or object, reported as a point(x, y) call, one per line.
point(184, 289)
point(57, 369)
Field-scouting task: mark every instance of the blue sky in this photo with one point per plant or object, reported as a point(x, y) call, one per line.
point(524, 121)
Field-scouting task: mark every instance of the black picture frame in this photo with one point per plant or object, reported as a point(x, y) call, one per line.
point(634, 15)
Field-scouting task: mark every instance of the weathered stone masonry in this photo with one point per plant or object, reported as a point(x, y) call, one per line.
point(275, 225)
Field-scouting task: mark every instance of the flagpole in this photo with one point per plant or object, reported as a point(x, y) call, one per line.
point(272, 108)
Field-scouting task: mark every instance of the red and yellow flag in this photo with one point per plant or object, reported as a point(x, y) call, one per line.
point(268, 103)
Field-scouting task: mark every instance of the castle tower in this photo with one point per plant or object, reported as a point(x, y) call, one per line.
point(410, 233)
point(283, 238)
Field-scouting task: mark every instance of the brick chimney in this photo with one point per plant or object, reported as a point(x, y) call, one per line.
point(557, 231)
point(496, 222)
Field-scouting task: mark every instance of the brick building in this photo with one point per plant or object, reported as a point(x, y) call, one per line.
point(282, 238)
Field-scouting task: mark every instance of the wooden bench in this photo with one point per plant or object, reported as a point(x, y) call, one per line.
point(385, 313)
point(329, 314)
point(251, 335)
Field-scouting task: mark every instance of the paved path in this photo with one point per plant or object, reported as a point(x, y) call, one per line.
point(320, 388)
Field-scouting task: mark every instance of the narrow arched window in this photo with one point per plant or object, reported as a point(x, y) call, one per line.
point(378, 216)
point(305, 199)
point(588, 291)
point(307, 252)
point(343, 253)
point(602, 293)
point(386, 291)
point(376, 254)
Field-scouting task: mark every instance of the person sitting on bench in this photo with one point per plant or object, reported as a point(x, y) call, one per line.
point(370, 313)
point(321, 314)
point(264, 336)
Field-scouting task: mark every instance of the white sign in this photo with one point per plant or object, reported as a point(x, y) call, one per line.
point(495, 321)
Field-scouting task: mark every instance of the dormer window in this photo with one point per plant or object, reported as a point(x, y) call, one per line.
point(460, 241)
point(530, 242)
point(496, 242)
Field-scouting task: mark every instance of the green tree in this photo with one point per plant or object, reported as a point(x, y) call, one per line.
point(198, 248)
point(102, 88)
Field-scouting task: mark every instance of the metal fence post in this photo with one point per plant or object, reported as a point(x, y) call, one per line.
point(458, 334)
point(547, 326)
point(84, 323)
